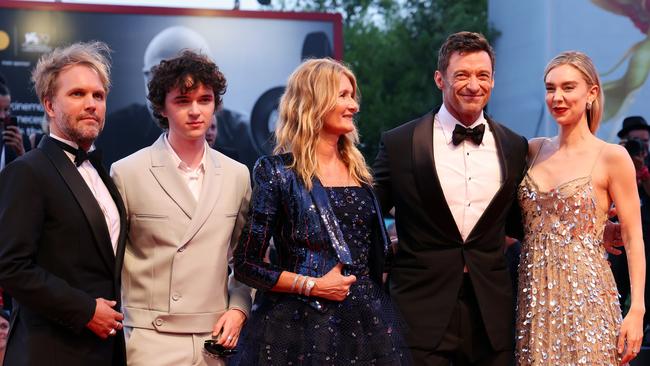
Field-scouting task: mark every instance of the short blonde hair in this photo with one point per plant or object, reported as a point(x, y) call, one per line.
point(583, 63)
point(311, 93)
point(95, 55)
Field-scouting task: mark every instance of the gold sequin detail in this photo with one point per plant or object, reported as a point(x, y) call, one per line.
point(567, 307)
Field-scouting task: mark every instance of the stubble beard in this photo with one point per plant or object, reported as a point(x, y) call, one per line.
point(79, 133)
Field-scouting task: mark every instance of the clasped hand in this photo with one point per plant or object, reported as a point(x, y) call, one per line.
point(228, 327)
point(334, 285)
point(106, 321)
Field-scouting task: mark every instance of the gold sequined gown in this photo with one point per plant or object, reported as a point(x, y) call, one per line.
point(567, 306)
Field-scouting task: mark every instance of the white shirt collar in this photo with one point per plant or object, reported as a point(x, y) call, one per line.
point(180, 164)
point(449, 122)
point(68, 142)
point(71, 143)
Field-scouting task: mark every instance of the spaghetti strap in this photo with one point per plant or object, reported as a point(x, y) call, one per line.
point(530, 167)
point(596, 161)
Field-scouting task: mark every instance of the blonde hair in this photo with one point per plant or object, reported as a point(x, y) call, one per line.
point(94, 55)
point(583, 63)
point(311, 93)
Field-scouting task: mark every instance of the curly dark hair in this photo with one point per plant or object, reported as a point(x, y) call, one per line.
point(186, 71)
point(463, 42)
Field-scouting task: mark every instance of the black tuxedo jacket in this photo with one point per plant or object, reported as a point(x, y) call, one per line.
point(56, 257)
point(427, 270)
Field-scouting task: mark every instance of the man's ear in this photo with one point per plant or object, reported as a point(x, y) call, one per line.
point(440, 81)
point(49, 108)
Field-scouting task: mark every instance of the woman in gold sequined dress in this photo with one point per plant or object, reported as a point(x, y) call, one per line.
point(567, 307)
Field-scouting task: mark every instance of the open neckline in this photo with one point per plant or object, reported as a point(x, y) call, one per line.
point(558, 186)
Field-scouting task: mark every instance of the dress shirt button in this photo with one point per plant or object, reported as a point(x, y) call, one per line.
point(159, 322)
point(176, 296)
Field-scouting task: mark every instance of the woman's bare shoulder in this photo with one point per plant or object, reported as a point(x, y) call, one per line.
point(615, 153)
point(535, 144)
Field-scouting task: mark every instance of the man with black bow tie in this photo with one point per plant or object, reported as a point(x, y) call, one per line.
point(452, 177)
point(63, 224)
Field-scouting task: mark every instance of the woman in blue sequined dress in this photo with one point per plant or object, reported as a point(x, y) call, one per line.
point(321, 302)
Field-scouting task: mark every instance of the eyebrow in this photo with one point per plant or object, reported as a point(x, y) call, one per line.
point(85, 90)
point(566, 83)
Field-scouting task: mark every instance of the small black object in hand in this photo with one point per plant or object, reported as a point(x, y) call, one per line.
point(212, 347)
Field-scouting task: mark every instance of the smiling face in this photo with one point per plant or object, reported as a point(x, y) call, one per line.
point(466, 85)
point(340, 120)
point(78, 107)
point(567, 94)
point(189, 114)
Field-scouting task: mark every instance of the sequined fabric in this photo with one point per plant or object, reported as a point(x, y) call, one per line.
point(567, 306)
point(312, 232)
point(361, 330)
point(305, 231)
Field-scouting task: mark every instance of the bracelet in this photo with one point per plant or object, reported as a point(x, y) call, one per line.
point(301, 287)
point(310, 285)
point(295, 280)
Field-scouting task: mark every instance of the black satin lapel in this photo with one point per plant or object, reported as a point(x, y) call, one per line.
point(117, 198)
point(428, 184)
point(84, 197)
point(319, 196)
point(503, 147)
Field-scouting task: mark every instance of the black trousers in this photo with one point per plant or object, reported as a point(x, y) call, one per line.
point(465, 341)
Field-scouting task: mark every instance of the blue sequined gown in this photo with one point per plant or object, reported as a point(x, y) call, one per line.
point(285, 329)
point(567, 306)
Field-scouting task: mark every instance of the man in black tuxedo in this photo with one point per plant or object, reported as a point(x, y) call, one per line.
point(452, 177)
point(63, 224)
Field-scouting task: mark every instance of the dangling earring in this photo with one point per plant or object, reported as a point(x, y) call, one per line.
point(588, 106)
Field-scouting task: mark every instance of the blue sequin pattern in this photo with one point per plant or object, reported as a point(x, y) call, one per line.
point(287, 329)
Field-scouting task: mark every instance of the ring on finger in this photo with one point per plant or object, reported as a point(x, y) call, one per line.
point(112, 332)
point(229, 338)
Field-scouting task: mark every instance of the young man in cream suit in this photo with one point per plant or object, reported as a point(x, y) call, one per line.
point(186, 205)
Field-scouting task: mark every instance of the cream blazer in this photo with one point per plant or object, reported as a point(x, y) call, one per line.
point(175, 274)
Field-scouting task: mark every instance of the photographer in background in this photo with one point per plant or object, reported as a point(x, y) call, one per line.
point(13, 144)
point(635, 136)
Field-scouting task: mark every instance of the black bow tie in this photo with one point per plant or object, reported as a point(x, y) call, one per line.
point(94, 157)
point(474, 134)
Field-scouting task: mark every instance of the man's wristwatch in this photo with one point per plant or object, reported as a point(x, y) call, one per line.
point(310, 285)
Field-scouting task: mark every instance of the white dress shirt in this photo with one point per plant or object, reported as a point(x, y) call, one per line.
point(192, 177)
point(99, 190)
point(470, 175)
